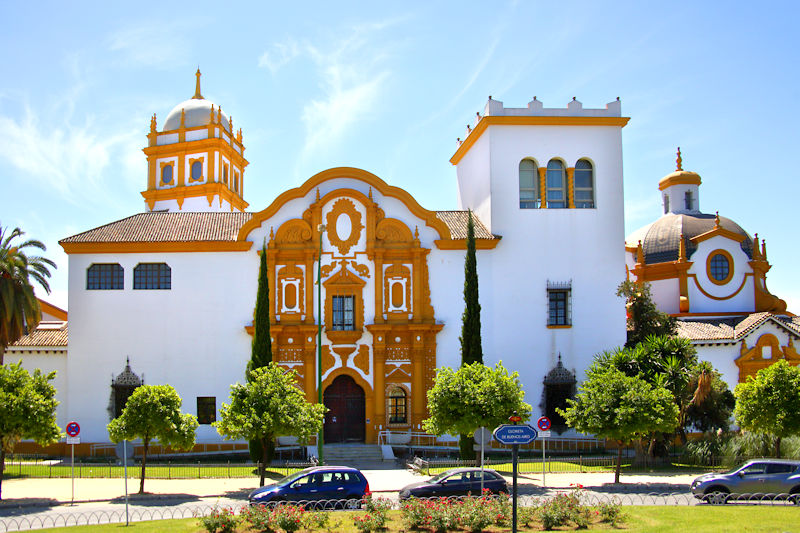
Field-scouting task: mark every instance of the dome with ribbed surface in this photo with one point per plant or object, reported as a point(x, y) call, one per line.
point(197, 112)
point(661, 239)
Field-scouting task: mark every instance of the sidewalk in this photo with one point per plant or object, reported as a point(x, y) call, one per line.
point(27, 491)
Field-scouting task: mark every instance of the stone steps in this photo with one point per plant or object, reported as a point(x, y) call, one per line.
point(352, 454)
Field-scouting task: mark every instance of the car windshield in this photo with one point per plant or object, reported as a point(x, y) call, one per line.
point(291, 477)
point(438, 478)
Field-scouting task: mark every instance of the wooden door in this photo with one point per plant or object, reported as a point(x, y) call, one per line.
point(344, 422)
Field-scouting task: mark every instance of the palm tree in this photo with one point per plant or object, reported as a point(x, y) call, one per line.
point(19, 308)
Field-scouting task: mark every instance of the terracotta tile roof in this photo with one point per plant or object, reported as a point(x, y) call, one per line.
point(457, 222)
point(167, 227)
point(47, 334)
point(732, 329)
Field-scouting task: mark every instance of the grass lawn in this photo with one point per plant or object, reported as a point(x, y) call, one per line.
point(737, 518)
point(553, 467)
point(154, 471)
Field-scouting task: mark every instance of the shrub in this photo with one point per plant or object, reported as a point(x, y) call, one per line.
point(611, 512)
point(219, 520)
point(257, 517)
point(527, 515)
point(317, 520)
point(475, 514)
point(706, 449)
point(564, 508)
point(287, 517)
point(375, 518)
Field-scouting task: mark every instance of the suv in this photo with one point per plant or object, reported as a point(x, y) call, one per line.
point(333, 483)
point(760, 476)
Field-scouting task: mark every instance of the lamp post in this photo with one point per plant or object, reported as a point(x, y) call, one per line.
point(321, 230)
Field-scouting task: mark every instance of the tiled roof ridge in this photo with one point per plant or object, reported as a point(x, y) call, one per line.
point(103, 226)
point(52, 338)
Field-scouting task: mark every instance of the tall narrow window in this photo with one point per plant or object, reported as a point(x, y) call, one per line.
point(197, 170)
point(152, 276)
point(104, 276)
point(528, 194)
point(558, 304)
point(688, 200)
point(584, 184)
point(224, 173)
point(343, 313)
point(206, 409)
point(559, 386)
point(397, 406)
point(166, 174)
point(556, 185)
point(666, 204)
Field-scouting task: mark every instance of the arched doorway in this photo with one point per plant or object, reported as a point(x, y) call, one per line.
point(344, 422)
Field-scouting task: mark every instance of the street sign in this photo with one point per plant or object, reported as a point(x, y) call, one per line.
point(515, 418)
point(73, 429)
point(544, 434)
point(543, 423)
point(515, 434)
point(483, 435)
point(73, 440)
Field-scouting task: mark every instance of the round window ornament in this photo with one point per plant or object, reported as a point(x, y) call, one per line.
point(719, 267)
point(397, 339)
point(290, 340)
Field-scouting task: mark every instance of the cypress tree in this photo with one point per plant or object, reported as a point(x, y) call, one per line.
point(471, 351)
point(261, 349)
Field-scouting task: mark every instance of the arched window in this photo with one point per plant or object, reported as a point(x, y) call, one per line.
point(152, 276)
point(556, 184)
point(197, 170)
point(166, 174)
point(104, 276)
point(397, 406)
point(528, 191)
point(559, 386)
point(584, 184)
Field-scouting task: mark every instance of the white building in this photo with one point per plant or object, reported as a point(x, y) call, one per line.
point(707, 271)
point(173, 289)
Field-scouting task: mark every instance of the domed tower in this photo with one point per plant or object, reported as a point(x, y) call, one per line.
point(699, 263)
point(196, 163)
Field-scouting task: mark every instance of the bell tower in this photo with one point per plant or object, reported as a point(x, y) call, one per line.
point(196, 162)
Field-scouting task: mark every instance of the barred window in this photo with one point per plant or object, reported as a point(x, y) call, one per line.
point(343, 315)
point(558, 300)
point(206, 409)
point(584, 184)
point(397, 406)
point(152, 276)
point(105, 276)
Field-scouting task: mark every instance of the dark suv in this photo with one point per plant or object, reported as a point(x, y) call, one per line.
point(334, 483)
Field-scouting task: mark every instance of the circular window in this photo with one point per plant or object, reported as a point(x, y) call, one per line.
point(719, 267)
point(166, 174)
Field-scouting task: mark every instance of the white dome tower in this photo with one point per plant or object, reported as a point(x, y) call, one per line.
point(680, 191)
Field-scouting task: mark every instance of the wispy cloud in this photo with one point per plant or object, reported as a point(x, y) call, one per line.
point(279, 55)
point(148, 45)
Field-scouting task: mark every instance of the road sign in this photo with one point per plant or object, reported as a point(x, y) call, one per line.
point(482, 435)
point(515, 418)
point(544, 434)
point(543, 423)
point(73, 429)
point(515, 434)
point(73, 440)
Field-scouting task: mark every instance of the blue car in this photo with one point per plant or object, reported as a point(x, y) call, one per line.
point(332, 483)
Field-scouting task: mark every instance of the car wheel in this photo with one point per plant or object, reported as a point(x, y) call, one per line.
point(716, 495)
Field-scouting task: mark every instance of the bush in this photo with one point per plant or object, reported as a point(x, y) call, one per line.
point(219, 520)
point(705, 450)
point(287, 517)
point(257, 517)
point(611, 512)
point(317, 520)
point(376, 515)
point(564, 508)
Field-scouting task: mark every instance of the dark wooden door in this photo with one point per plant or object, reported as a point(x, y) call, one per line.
point(344, 422)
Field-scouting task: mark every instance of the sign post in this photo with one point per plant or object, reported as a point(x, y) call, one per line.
point(544, 431)
point(515, 435)
point(125, 462)
point(73, 430)
point(482, 435)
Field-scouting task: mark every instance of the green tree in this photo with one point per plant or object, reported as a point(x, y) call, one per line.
point(19, 308)
point(644, 318)
point(713, 410)
point(622, 408)
point(473, 396)
point(153, 412)
point(471, 350)
point(27, 410)
point(261, 348)
point(770, 402)
point(269, 404)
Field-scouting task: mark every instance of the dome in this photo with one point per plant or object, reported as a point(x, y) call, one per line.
point(197, 113)
point(660, 240)
point(679, 177)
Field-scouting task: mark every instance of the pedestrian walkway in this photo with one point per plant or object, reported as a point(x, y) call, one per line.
point(382, 480)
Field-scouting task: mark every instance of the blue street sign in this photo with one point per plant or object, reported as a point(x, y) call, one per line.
point(515, 434)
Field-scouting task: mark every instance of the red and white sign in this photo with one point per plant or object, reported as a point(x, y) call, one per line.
point(543, 423)
point(73, 429)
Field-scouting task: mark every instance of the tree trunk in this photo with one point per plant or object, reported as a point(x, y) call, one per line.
point(146, 443)
point(262, 466)
point(777, 447)
point(2, 467)
point(466, 446)
point(2, 353)
point(619, 462)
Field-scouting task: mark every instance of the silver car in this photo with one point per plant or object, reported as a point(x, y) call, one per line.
point(760, 476)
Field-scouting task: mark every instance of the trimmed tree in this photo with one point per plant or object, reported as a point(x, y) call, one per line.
point(770, 402)
point(27, 410)
point(473, 396)
point(621, 408)
point(644, 318)
point(19, 308)
point(471, 349)
point(270, 403)
point(153, 412)
point(261, 348)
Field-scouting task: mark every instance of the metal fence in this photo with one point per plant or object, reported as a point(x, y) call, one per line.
point(42, 468)
point(552, 465)
point(587, 498)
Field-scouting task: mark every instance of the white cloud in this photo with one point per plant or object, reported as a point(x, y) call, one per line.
point(148, 45)
point(279, 55)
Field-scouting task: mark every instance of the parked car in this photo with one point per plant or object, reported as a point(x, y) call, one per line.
point(333, 483)
point(761, 476)
point(456, 482)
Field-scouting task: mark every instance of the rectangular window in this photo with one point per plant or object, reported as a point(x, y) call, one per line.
point(343, 313)
point(152, 276)
point(558, 301)
point(104, 277)
point(206, 409)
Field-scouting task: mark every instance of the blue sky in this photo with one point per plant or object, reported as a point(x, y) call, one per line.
point(388, 87)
